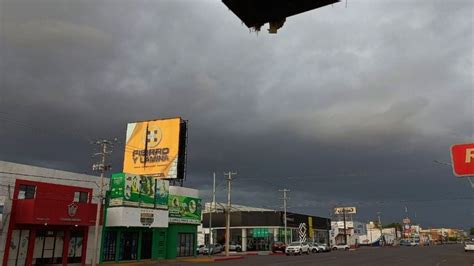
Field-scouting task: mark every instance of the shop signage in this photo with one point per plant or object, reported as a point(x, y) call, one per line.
point(462, 157)
point(302, 232)
point(138, 190)
point(152, 148)
point(183, 209)
point(136, 217)
point(310, 225)
point(346, 210)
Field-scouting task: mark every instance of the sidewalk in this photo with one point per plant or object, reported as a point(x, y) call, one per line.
point(200, 259)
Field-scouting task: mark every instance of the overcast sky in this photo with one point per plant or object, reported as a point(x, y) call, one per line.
point(344, 106)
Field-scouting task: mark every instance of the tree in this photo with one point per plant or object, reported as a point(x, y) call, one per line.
point(394, 225)
point(472, 231)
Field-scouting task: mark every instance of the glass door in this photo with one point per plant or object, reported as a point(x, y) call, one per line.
point(146, 245)
point(185, 246)
point(129, 244)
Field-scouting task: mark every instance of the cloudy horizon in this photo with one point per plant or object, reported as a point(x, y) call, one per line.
point(344, 106)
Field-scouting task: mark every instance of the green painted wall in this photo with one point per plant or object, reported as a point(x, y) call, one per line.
point(172, 238)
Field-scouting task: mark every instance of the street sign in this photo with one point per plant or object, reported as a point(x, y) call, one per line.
point(347, 210)
point(462, 157)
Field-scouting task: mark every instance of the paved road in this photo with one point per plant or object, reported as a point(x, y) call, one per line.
point(445, 255)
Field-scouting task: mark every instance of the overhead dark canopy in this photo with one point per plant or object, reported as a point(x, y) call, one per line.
point(255, 13)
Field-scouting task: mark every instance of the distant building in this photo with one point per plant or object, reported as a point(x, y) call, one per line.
point(257, 228)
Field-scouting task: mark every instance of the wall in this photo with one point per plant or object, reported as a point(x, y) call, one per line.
point(9, 172)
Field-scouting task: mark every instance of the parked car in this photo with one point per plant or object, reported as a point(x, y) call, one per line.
point(469, 246)
point(234, 246)
point(212, 249)
point(341, 247)
point(323, 247)
point(200, 249)
point(314, 248)
point(297, 248)
point(278, 246)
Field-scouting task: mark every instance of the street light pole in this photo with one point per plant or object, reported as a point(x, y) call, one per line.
point(227, 226)
point(284, 212)
point(211, 239)
point(102, 168)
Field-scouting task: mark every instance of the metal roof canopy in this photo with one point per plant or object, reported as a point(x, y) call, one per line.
point(255, 13)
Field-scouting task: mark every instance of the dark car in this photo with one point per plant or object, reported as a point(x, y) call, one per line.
point(278, 246)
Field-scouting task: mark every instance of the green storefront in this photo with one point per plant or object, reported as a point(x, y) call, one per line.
point(184, 217)
point(146, 219)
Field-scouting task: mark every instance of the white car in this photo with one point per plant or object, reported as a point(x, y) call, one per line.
point(297, 248)
point(341, 247)
point(469, 246)
point(314, 248)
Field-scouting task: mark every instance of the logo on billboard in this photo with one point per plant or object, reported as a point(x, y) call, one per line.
point(153, 136)
point(72, 209)
point(153, 147)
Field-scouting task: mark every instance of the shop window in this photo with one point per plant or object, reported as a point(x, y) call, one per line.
point(110, 243)
point(27, 192)
point(80, 196)
point(18, 247)
point(48, 247)
point(74, 254)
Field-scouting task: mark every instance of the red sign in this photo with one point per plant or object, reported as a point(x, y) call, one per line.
point(462, 156)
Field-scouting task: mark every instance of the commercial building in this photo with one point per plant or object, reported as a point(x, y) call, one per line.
point(146, 218)
point(48, 216)
point(255, 229)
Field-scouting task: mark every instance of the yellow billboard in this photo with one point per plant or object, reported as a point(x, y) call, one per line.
point(152, 148)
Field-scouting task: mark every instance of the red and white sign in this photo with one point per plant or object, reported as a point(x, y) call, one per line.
point(462, 157)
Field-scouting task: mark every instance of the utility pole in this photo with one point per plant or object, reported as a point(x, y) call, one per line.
point(211, 239)
point(227, 226)
point(285, 198)
point(382, 240)
point(344, 219)
point(100, 167)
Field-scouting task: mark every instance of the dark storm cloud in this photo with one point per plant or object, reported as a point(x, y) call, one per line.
point(342, 106)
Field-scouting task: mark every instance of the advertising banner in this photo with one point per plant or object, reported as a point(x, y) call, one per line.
point(183, 209)
point(152, 148)
point(138, 190)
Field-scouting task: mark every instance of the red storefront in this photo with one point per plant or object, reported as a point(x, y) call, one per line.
point(49, 224)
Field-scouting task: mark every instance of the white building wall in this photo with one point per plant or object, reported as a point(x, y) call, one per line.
point(9, 172)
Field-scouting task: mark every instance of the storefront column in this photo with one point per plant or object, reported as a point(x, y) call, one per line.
point(244, 239)
point(275, 234)
point(67, 237)
point(84, 245)
point(117, 245)
point(31, 247)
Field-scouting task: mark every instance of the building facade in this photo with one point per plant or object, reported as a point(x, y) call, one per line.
point(147, 219)
point(48, 216)
point(255, 229)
